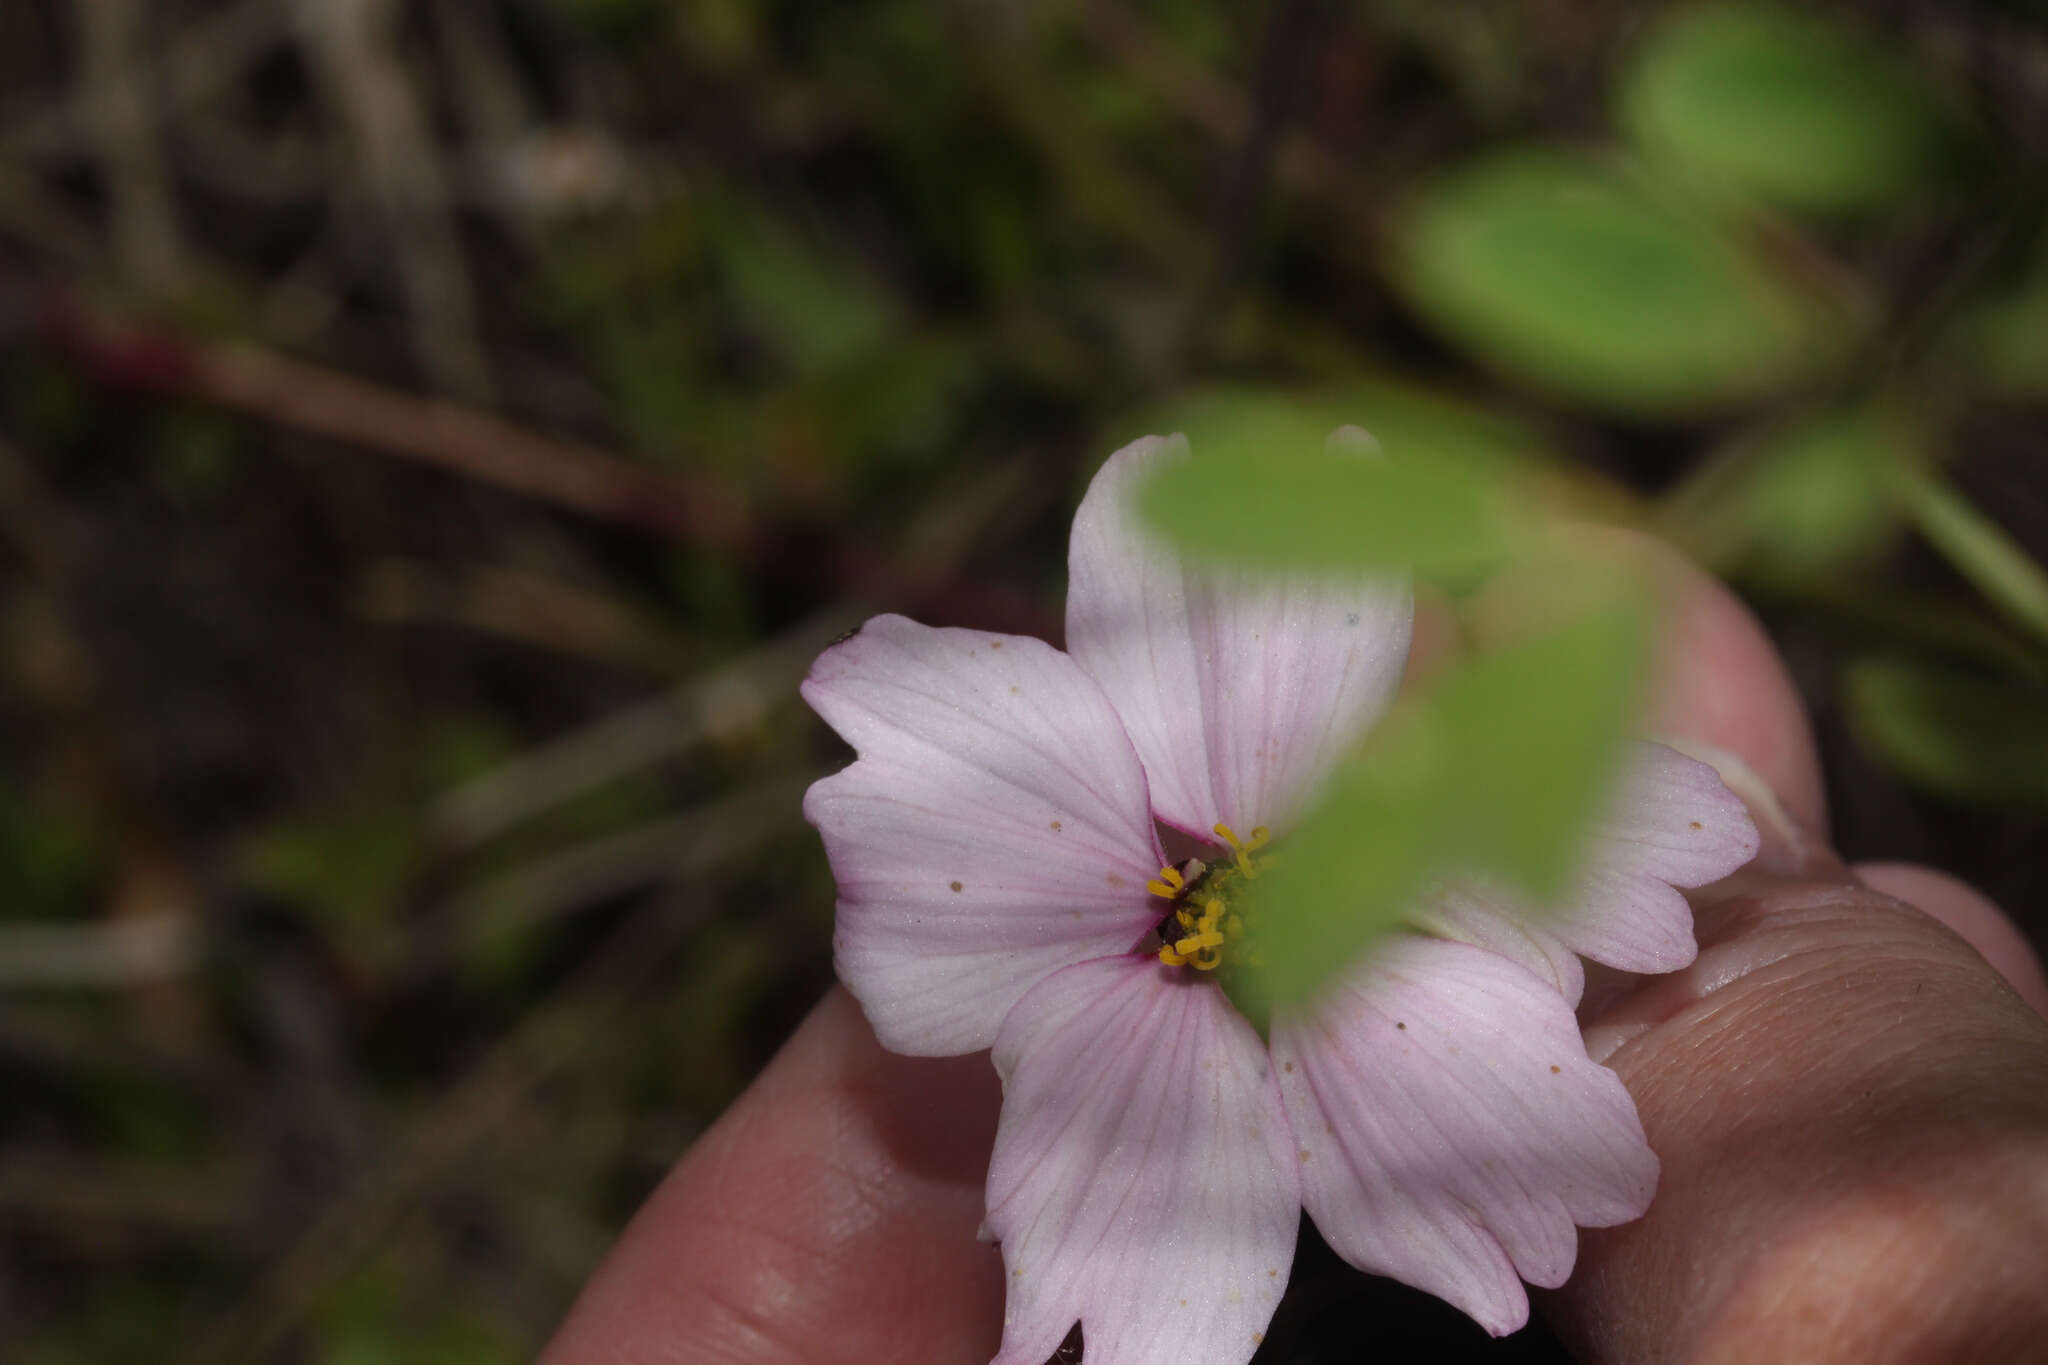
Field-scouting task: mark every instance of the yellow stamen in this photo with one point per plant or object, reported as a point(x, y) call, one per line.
point(1241, 850)
point(1168, 884)
point(1202, 922)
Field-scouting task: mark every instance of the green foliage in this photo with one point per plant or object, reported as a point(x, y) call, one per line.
point(1498, 769)
point(198, 453)
point(386, 1315)
point(347, 866)
point(1806, 500)
point(1980, 550)
point(622, 23)
point(1788, 107)
point(819, 313)
point(1966, 737)
point(2000, 344)
point(1261, 490)
point(1570, 274)
point(132, 1317)
point(50, 859)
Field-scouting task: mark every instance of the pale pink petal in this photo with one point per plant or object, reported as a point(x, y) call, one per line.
point(1239, 690)
point(1143, 1178)
point(995, 828)
point(1674, 824)
point(1483, 915)
point(1453, 1134)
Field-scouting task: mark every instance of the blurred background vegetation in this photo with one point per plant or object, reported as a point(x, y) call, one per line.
point(434, 438)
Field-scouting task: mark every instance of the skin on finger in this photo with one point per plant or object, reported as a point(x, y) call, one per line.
point(1971, 914)
point(829, 1216)
point(1850, 1107)
point(1852, 1115)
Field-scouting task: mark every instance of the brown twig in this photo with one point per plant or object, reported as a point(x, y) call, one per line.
point(466, 441)
point(434, 431)
point(725, 701)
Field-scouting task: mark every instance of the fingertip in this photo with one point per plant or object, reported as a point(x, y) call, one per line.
point(1975, 918)
point(822, 1219)
point(1716, 680)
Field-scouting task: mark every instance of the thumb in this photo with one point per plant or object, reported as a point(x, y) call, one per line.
point(1849, 1102)
point(1851, 1108)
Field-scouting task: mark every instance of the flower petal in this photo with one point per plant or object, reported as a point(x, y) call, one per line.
point(1143, 1178)
point(1238, 689)
point(1674, 824)
point(1453, 1131)
point(1476, 912)
point(995, 828)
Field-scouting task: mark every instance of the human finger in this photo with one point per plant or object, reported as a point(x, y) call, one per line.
point(1972, 915)
point(828, 1216)
point(1850, 1107)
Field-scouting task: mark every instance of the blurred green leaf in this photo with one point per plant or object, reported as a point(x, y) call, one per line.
point(389, 1313)
point(1980, 550)
point(1262, 490)
point(1498, 771)
point(130, 1314)
point(1789, 107)
point(818, 311)
point(1571, 275)
point(50, 859)
point(1802, 501)
point(347, 865)
point(624, 24)
point(2001, 344)
point(1961, 736)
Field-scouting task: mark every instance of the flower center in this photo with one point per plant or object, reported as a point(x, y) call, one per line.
point(1202, 923)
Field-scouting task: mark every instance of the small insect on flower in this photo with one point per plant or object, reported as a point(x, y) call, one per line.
point(1003, 885)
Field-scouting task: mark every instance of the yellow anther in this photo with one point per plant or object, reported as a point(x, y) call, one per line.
point(1241, 850)
point(1168, 884)
point(1203, 923)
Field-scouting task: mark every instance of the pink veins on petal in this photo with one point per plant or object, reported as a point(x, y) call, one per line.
point(993, 843)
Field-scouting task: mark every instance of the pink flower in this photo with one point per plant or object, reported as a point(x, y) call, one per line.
point(1435, 1112)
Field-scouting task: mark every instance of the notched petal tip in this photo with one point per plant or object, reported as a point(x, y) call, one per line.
point(1455, 1133)
point(995, 827)
point(1143, 1180)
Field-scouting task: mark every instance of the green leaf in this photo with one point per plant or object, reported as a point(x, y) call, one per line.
point(1964, 737)
point(51, 856)
point(1980, 550)
point(1498, 771)
point(1787, 107)
point(819, 312)
point(1572, 276)
point(2000, 345)
point(1262, 489)
point(1802, 502)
